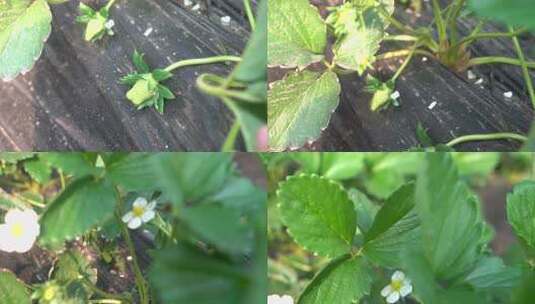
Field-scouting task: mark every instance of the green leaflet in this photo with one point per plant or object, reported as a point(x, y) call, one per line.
point(363, 30)
point(83, 205)
point(24, 26)
point(297, 35)
point(513, 12)
point(449, 214)
point(521, 211)
point(12, 291)
point(344, 280)
point(222, 227)
point(318, 213)
point(339, 166)
point(491, 273)
point(300, 107)
point(184, 274)
point(394, 227)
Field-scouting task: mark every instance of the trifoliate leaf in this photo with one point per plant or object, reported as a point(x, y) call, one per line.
point(318, 213)
point(24, 27)
point(300, 107)
point(297, 34)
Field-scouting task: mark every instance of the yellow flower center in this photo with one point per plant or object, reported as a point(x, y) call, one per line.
point(17, 230)
point(396, 285)
point(138, 211)
point(49, 294)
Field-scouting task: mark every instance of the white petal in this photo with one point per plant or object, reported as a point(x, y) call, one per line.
point(5, 238)
point(140, 202)
point(386, 291)
point(135, 223)
point(393, 297)
point(14, 215)
point(151, 205)
point(398, 276)
point(287, 300)
point(24, 245)
point(274, 299)
point(405, 290)
point(128, 217)
point(147, 216)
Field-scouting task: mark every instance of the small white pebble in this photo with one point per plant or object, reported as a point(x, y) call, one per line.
point(432, 105)
point(196, 7)
point(424, 59)
point(395, 95)
point(225, 20)
point(471, 75)
point(129, 258)
point(148, 32)
point(508, 94)
point(479, 81)
point(188, 3)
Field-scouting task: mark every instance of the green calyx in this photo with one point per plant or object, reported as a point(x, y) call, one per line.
point(143, 90)
point(146, 89)
point(382, 93)
point(97, 22)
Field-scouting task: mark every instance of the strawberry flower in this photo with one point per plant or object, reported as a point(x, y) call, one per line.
point(146, 90)
point(399, 287)
point(142, 212)
point(20, 230)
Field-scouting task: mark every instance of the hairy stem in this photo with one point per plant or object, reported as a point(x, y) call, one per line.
point(439, 21)
point(405, 63)
point(486, 137)
point(230, 142)
point(498, 59)
point(399, 53)
point(476, 36)
point(109, 4)
point(142, 286)
point(525, 71)
point(199, 61)
point(249, 13)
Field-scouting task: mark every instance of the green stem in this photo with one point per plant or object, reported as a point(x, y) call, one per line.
point(110, 3)
point(230, 142)
point(102, 293)
point(199, 61)
point(249, 13)
point(525, 71)
point(216, 86)
point(497, 59)
point(400, 38)
point(439, 21)
point(105, 301)
point(400, 53)
point(486, 137)
point(488, 36)
point(400, 26)
point(451, 19)
point(405, 63)
point(141, 284)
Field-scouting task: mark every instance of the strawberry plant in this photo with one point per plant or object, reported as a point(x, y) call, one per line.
point(88, 211)
point(426, 240)
point(301, 104)
point(25, 26)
